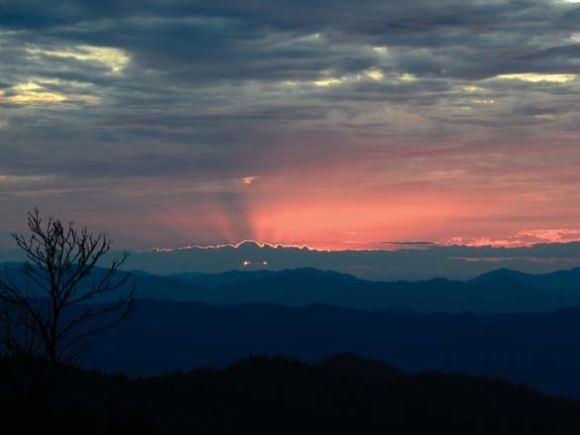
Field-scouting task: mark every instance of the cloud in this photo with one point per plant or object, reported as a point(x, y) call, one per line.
point(442, 111)
point(410, 243)
point(249, 180)
point(114, 59)
point(454, 262)
point(537, 78)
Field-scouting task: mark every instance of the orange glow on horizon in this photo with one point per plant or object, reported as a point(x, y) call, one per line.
point(332, 216)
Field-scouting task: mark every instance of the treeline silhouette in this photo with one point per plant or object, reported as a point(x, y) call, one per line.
point(266, 394)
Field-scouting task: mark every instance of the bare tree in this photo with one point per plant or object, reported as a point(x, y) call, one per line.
point(48, 311)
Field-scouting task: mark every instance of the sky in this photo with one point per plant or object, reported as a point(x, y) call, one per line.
point(336, 125)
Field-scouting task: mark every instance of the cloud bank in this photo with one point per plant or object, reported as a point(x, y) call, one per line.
point(406, 263)
point(332, 124)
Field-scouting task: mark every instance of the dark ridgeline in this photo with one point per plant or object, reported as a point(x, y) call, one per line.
point(339, 393)
point(502, 290)
point(263, 394)
point(539, 349)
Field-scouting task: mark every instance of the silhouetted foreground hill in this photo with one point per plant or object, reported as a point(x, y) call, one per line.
point(365, 368)
point(539, 349)
point(272, 395)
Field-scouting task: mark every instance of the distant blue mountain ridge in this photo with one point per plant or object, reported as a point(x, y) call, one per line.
point(504, 323)
point(502, 290)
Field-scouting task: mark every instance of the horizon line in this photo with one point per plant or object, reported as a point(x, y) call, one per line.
point(402, 245)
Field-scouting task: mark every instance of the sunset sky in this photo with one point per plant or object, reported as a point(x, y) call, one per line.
point(332, 124)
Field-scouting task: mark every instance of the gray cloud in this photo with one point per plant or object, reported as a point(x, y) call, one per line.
point(98, 100)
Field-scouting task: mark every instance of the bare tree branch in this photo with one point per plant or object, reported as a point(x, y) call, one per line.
point(41, 317)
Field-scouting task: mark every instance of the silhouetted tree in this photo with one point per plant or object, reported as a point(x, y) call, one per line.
point(36, 316)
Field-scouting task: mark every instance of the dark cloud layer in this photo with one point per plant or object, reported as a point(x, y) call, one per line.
point(252, 105)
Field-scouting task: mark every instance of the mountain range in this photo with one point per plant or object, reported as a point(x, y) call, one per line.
point(502, 290)
point(541, 350)
point(518, 326)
